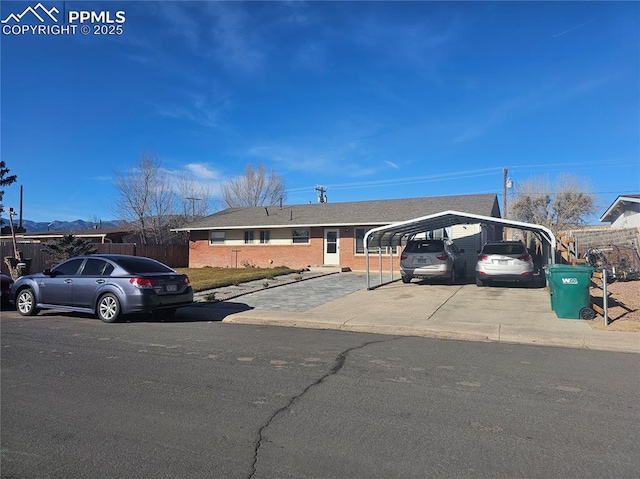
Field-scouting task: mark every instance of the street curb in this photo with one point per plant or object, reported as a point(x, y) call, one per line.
point(580, 343)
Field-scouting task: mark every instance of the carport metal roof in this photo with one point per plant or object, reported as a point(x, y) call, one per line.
point(392, 234)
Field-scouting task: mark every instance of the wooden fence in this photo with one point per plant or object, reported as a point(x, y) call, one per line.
point(175, 256)
point(572, 245)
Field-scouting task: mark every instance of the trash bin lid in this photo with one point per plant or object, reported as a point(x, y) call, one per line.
point(569, 268)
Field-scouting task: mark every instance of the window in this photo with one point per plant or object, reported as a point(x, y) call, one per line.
point(360, 232)
point(424, 246)
point(97, 267)
point(504, 248)
point(68, 268)
point(248, 237)
point(141, 265)
point(216, 237)
point(300, 236)
point(264, 237)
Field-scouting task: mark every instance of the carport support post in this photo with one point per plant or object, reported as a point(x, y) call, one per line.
point(391, 261)
point(366, 259)
point(605, 297)
point(380, 262)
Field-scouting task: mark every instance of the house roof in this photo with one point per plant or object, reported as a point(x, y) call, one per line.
point(374, 212)
point(87, 233)
point(618, 206)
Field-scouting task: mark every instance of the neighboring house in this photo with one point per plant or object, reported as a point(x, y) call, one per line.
point(306, 235)
point(94, 235)
point(624, 212)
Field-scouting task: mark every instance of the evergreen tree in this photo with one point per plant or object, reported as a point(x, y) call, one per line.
point(67, 247)
point(5, 181)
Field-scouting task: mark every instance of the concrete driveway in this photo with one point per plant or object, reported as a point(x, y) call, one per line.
point(496, 313)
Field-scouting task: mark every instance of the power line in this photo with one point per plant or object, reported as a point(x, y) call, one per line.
point(458, 175)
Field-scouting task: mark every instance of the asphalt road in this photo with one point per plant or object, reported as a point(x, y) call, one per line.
point(201, 399)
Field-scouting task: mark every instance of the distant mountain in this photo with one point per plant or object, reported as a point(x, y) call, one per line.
point(33, 226)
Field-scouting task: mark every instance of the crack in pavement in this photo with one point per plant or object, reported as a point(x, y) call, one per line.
point(339, 364)
point(445, 302)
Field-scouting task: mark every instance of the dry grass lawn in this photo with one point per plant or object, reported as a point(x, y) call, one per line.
point(206, 278)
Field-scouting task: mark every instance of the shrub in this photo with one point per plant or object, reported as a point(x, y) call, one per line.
point(67, 247)
point(211, 297)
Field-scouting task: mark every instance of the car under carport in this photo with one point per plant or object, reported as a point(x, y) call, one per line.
point(393, 235)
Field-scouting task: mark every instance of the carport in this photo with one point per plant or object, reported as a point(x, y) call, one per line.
point(394, 234)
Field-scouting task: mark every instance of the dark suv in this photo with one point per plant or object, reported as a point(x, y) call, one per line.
point(431, 258)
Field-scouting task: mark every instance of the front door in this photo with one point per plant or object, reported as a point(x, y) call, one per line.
point(332, 246)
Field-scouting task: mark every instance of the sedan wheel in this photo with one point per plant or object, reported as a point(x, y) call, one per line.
point(26, 303)
point(109, 308)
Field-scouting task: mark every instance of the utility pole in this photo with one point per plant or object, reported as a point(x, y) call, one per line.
point(507, 184)
point(321, 190)
point(193, 206)
point(504, 193)
point(504, 200)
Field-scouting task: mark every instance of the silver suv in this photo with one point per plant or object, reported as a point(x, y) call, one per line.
point(430, 258)
point(504, 261)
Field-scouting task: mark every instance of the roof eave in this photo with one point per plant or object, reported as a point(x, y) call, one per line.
point(301, 225)
point(619, 201)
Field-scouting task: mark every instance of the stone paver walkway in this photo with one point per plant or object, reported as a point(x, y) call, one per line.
point(289, 293)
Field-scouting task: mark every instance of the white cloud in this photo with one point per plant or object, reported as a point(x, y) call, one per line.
point(392, 164)
point(202, 171)
point(293, 158)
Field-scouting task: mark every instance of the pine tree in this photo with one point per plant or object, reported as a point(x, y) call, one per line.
point(67, 247)
point(5, 181)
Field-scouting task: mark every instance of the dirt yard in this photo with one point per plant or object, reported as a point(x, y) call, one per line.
point(624, 305)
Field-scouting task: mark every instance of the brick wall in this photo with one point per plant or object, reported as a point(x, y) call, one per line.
point(296, 256)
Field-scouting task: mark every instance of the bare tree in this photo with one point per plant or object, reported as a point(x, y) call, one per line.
point(146, 199)
point(560, 206)
point(194, 198)
point(254, 188)
point(154, 200)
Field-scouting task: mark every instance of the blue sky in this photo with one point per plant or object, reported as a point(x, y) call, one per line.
point(373, 100)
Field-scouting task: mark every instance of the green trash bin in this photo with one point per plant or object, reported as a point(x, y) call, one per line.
point(569, 290)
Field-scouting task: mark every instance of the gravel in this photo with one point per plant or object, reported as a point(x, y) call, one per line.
point(624, 305)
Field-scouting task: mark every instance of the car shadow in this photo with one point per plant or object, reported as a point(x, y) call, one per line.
point(7, 306)
point(538, 282)
point(458, 281)
point(196, 312)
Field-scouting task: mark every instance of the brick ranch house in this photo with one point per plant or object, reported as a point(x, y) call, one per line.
point(301, 236)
